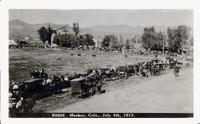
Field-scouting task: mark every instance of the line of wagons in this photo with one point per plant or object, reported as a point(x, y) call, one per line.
point(85, 84)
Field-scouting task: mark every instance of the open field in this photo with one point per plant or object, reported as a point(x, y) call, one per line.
point(61, 61)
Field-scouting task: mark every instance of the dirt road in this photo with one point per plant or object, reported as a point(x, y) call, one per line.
point(164, 93)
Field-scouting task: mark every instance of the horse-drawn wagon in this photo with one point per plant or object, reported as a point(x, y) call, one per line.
point(86, 86)
point(32, 87)
point(122, 72)
point(76, 85)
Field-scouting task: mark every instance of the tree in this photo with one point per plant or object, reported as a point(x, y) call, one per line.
point(50, 31)
point(120, 42)
point(76, 30)
point(106, 41)
point(133, 42)
point(110, 41)
point(46, 34)
point(121, 39)
point(43, 35)
point(82, 40)
point(114, 41)
point(177, 37)
point(148, 38)
point(89, 40)
point(127, 44)
point(152, 40)
point(158, 45)
point(65, 40)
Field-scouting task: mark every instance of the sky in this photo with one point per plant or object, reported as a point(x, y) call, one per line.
point(88, 18)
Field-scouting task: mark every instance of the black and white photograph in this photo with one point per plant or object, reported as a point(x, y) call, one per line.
point(101, 63)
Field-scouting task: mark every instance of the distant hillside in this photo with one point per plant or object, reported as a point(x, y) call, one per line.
point(22, 29)
point(18, 27)
point(117, 29)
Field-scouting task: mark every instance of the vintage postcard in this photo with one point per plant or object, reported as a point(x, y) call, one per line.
point(84, 60)
point(100, 63)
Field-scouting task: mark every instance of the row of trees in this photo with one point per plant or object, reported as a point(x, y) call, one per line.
point(177, 38)
point(65, 40)
point(174, 40)
point(113, 42)
point(46, 34)
point(152, 39)
point(73, 41)
point(76, 40)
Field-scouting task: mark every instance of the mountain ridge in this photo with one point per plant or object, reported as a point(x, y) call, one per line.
point(20, 28)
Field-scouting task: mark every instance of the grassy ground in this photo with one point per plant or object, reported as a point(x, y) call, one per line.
point(61, 61)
